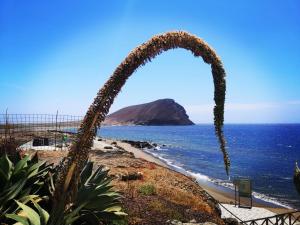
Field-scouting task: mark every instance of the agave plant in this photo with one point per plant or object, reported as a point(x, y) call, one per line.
point(29, 216)
point(95, 203)
point(24, 181)
point(97, 112)
point(297, 178)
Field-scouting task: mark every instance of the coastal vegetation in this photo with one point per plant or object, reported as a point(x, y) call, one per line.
point(147, 189)
point(21, 182)
point(27, 188)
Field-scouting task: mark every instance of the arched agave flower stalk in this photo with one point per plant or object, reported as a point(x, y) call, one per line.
point(96, 113)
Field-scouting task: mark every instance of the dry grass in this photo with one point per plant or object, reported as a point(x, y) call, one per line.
point(174, 187)
point(162, 208)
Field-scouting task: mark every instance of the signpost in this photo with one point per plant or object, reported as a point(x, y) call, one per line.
point(242, 189)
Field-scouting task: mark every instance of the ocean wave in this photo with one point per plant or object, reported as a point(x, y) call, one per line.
point(270, 200)
point(222, 183)
point(260, 196)
point(199, 176)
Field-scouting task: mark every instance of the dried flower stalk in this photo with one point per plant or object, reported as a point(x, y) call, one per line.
point(97, 112)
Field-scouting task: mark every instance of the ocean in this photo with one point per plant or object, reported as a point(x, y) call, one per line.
point(264, 153)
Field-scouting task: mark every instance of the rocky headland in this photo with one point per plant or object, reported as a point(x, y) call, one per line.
point(159, 112)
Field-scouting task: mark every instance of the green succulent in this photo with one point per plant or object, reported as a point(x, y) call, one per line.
point(29, 216)
point(297, 178)
point(24, 181)
point(96, 201)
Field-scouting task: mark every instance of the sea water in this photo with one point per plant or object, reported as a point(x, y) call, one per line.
point(264, 153)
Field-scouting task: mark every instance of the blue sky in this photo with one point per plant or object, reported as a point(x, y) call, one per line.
point(55, 55)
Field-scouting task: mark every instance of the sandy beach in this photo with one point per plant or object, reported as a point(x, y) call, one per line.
point(138, 153)
point(225, 197)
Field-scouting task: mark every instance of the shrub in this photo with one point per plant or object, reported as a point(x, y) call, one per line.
point(147, 189)
point(297, 178)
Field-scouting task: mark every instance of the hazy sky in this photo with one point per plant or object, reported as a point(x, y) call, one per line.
point(55, 55)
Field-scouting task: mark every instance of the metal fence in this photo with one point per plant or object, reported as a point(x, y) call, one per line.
point(39, 131)
point(290, 218)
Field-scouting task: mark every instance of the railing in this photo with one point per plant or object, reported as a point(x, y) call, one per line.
point(39, 131)
point(290, 218)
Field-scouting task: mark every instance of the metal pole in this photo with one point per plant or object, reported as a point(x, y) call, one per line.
point(235, 195)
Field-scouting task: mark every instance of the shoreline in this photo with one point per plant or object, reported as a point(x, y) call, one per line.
point(222, 194)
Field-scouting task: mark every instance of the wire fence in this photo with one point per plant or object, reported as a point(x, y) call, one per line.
point(39, 131)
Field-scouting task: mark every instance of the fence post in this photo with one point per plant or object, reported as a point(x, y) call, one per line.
point(5, 130)
point(55, 130)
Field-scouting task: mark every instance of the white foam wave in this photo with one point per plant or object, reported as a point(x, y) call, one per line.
point(199, 176)
point(224, 183)
point(270, 200)
point(158, 148)
point(257, 195)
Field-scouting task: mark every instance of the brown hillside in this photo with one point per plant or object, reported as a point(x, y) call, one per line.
point(159, 112)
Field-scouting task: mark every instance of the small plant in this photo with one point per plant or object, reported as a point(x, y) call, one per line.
point(147, 189)
point(297, 178)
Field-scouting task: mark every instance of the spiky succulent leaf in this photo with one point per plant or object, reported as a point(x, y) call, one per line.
point(28, 216)
point(23, 181)
point(32, 216)
point(21, 220)
point(44, 215)
point(21, 164)
point(86, 172)
point(95, 200)
point(6, 168)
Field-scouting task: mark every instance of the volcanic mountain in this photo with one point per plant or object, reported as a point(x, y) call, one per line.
point(159, 112)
